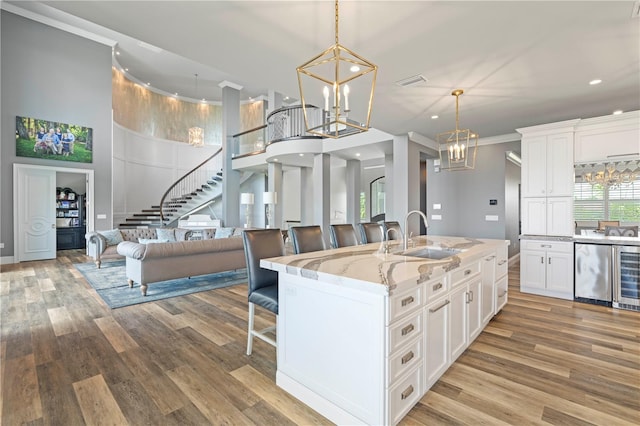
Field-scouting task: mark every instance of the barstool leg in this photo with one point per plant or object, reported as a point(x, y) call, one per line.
point(252, 308)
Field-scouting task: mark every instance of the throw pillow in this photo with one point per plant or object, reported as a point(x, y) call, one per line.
point(223, 233)
point(113, 237)
point(166, 234)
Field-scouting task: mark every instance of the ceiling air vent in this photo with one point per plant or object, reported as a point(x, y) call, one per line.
point(411, 81)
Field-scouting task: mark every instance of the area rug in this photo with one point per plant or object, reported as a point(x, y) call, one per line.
point(110, 282)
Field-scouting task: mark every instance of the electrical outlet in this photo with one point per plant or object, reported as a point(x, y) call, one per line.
point(101, 216)
point(1, 245)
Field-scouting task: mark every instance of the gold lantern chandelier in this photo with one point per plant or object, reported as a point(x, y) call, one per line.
point(457, 147)
point(196, 133)
point(336, 79)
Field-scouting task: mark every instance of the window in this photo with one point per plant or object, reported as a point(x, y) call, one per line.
point(596, 202)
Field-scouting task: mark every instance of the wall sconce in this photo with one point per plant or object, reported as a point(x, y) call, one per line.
point(270, 198)
point(246, 198)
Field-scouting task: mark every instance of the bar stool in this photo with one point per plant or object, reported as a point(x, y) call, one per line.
point(263, 283)
point(370, 232)
point(396, 235)
point(307, 238)
point(343, 235)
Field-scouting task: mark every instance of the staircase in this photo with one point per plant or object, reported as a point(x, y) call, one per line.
point(193, 191)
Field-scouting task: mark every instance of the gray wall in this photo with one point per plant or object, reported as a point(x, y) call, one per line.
point(464, 195)
point(53, 75)
point(512, 206)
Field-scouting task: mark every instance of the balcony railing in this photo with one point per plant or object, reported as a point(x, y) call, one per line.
point(286, 123)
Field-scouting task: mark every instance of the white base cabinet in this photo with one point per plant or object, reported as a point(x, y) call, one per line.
point(363, 356)
point(547, 268)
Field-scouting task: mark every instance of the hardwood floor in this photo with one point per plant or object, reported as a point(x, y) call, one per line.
point(67, 359)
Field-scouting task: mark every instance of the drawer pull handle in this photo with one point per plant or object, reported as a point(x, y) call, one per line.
point(437, 286)
point(446, 302)
point(408, 357)
point(408, 329)
point(489, 258)
point(408, 391)
point(503, 294)
point(545, 245)
point(622, 155)
point(502, 262)
point(467, 272)
point(407, 300)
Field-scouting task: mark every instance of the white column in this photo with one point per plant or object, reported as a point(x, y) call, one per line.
point(274, 184)
point(321, 192)
point(353, 191)
point(306, 195)
point(230, 177)
point(390, 207)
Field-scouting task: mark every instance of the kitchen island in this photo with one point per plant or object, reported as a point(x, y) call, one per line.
point(364, 332)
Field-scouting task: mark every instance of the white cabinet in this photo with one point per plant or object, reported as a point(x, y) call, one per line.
point(547, 165)
point(548, 179)
point(436, 340)
point(547, 268)
point(501, 292)
point(547, 216)
point(466, 297)
point(608, 138)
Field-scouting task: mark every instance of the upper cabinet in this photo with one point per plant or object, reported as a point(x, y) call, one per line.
point(610, 138)
point(547, 165)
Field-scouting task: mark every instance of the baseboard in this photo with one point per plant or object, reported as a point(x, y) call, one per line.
point(514, 260)
point(6, 260)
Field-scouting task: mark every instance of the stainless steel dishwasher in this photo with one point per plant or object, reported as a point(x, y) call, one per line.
point(593, 273)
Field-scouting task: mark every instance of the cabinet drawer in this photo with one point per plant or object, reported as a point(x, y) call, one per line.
point(436, 287)
point(406, 302)
point(404, 331)
point(404, 395)
point(464, 272)
point(404, 360)
point(557, 246)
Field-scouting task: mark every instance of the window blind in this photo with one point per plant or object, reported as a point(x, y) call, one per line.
point(624, 202)
point(588, 201)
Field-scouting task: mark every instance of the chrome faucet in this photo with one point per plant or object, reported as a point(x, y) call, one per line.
point(406, 224)
point(386, 241)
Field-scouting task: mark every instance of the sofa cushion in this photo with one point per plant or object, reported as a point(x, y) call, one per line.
point(167, 234)
point(154, 241)
point(112, 237)
point(223, 233)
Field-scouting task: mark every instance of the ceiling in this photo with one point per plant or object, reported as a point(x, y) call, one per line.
point(520, 63)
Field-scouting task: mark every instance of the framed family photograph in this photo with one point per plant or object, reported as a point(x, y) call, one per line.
point(53, 140)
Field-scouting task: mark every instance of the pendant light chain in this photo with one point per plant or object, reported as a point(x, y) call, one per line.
point(336, 21)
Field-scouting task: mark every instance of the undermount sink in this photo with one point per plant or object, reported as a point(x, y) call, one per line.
point(431, 253)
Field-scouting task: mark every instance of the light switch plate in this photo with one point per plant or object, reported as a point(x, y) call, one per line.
point(491, 218)
point(436, 217)
point(101, 216)
point(437, 206)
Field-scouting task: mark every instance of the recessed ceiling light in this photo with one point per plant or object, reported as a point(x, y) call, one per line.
point(126, 69)
point(275, 160)
point(301, 155)
point(148, 84)
point(117, 52)
point(617, 112)
point(175, 94)
point(286, 98)
point(357, 154)
point(433, 117)
point(354, 68)
point(595, 81)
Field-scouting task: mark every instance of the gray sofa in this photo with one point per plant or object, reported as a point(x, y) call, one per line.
point(148, 263)
point(99, 248)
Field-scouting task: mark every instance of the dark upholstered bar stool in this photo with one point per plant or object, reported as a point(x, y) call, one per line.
point(395, 234)
point(370, 232)
point(307, 238)
point(343, 235)
point(263, 283)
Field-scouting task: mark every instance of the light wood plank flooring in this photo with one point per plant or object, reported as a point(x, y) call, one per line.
point(67, 359)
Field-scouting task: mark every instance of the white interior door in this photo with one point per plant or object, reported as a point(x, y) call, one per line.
point(35, 221)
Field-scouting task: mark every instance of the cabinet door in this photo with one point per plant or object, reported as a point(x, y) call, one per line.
point(474, 311)
point(458, 322)
point(560, 272)
point(532, 268)
point(560, 165)
point(488, 287)
point(436, 340)
point(534, 160)
point(534, 216)
point(560, 216)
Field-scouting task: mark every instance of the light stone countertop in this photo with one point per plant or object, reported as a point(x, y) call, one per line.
point(592, 238)
point(367, 264)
